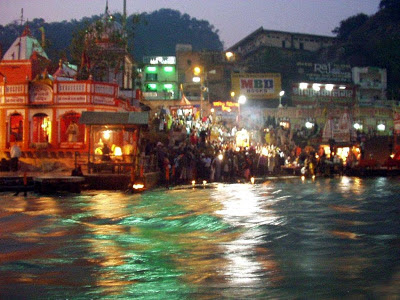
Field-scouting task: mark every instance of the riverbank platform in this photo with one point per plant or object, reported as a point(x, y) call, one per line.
point(43, 183)
point(51, 182)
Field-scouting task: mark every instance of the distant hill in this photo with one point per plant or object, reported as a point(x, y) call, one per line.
point(154, 33)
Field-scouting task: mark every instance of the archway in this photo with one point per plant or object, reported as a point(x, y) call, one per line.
point(72, 134)
point(16, 127)
point(41, 128)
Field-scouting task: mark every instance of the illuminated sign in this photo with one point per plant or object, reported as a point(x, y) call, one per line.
point(227, 103)
point(226, 106)
point(159, 60)
point(324, 72)
point(323, 91)
point(257, 86)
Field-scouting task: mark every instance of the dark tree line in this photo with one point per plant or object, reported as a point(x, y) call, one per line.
point(154, 33)
point(373, 41)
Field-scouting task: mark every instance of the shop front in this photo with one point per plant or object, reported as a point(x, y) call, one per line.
point(113, 140)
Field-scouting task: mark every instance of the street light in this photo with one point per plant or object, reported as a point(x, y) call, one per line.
point(281, 93)
point(242, 99)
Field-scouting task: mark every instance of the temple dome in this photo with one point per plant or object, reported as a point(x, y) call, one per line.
point(106, 30)
point(24, 47)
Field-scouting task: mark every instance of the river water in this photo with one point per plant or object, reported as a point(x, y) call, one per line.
point(279, 239)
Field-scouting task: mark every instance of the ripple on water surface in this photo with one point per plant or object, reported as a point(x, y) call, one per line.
point(275, 240)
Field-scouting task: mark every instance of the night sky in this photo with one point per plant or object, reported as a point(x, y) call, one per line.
point(235, 19)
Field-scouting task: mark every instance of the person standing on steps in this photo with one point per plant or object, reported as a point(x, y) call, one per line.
point(15, 153)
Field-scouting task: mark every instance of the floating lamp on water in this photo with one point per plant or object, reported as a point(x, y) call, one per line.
point(138, 186)
point(252, 180)
point(303, 178)
point(193, 182)
point(204, 182)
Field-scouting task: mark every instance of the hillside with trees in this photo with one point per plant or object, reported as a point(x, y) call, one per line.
point(154, 33)
point(373, 41)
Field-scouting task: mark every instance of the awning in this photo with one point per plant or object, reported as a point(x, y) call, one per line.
point(184, 100)
point(114, 118)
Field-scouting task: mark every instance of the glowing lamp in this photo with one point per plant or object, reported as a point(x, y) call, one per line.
point(196, 71)
point(381, 127)
point(220, 157)
point(309, 125)
point(193, 182)
point(303, 85)
point(117, 151)
point(106, 134)
point(242, 99)
point(329, 87)
point(138, 186)
point(252, 180)
point(316, 87)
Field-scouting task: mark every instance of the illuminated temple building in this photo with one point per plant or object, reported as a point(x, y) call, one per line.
point(41, 111)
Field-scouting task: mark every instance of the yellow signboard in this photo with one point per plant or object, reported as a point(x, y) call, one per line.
point(257, 85)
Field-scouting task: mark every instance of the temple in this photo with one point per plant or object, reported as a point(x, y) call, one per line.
point(41, 111)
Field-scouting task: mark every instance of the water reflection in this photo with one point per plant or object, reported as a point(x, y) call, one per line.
point(324, 238)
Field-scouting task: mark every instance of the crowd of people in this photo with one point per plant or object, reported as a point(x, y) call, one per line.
point(191, 152)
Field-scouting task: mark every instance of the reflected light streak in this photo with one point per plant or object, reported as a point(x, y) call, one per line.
point(244, 209)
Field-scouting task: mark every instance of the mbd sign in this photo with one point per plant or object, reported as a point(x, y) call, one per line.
point(257, 86)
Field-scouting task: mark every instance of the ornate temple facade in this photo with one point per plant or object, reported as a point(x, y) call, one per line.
point(41, 111)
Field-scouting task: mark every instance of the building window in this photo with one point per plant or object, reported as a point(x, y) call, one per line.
point(151, 69)
point(151, 87)
point(283, 44)
point(151, 77)
point(301, 46)
point(169, 69)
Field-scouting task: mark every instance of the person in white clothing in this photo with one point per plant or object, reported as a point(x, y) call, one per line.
point(15, 153)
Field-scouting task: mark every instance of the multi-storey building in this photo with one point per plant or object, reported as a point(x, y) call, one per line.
point(371, 84)
point(280, 39)
point(159, 78)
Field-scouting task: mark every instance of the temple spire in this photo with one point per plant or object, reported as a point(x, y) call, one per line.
point(107, 12)
point(124, 16)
